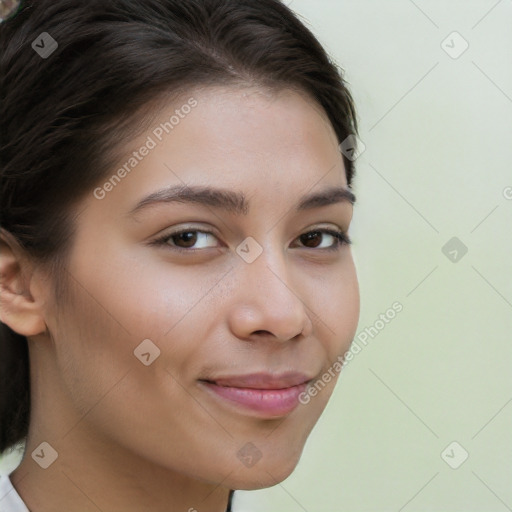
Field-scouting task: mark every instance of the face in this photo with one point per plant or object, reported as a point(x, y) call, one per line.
point(194, 324)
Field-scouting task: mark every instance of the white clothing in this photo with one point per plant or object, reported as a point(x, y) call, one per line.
point(10, 500)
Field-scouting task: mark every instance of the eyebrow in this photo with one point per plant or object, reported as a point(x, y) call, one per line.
point(236, 202)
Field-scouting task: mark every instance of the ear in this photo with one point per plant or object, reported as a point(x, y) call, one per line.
point(19, 309)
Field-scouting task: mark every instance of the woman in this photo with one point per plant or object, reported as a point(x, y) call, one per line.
point(176, 274)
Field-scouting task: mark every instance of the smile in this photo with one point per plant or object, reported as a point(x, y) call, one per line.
point(267, 396)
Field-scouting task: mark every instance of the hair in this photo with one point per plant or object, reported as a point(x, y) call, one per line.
point(62, 116)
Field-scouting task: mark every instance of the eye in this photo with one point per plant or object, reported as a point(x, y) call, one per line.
point(310, 238)
point(185, 240)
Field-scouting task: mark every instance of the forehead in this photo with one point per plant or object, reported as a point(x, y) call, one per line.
point(254, 118)
point(271, 144)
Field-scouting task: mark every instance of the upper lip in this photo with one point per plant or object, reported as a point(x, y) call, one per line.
point(262, 380)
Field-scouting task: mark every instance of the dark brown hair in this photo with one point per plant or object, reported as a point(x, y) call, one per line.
point(62, 115)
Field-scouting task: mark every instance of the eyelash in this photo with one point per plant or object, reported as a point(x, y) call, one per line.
point(340, 236)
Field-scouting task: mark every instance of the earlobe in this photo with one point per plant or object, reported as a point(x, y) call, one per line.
point(19, 309)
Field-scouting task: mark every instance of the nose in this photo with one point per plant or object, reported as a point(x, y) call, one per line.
point(268, 303)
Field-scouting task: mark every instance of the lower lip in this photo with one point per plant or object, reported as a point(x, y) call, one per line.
point(269, 402)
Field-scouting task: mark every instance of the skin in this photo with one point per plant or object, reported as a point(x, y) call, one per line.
point(132, 437)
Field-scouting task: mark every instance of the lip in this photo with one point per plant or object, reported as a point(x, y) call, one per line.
point(267, 395)
point(262, 380)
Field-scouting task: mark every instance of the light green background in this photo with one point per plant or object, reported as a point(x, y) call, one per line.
point(438, 159)
point(438, 136)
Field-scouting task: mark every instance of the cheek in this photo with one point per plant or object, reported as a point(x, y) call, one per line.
point(92, 349)
point(149, 300)
point(112, 309)
point(335, 308)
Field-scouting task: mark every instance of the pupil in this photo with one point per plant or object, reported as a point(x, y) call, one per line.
point(188, 237)
point(308, 237)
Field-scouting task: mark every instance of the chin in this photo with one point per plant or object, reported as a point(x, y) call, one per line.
point(263, 475)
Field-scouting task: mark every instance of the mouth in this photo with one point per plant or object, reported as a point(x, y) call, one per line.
point(266, 395)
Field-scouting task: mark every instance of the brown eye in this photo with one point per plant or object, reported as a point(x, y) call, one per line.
point(186, 240)
point(310, 240)
point(188, 237)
